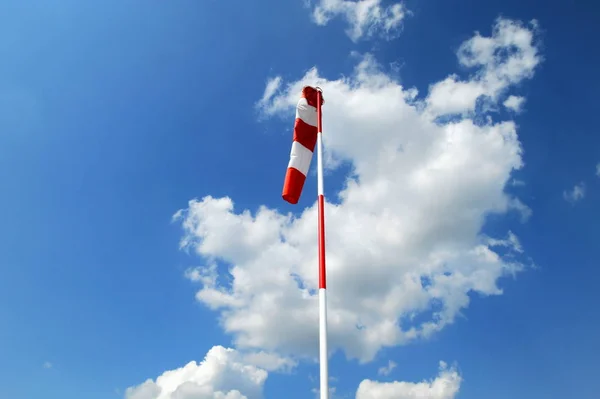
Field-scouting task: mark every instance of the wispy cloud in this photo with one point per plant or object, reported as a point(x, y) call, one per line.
point(386, 370)
point(47, 365)
point(514, 103)
point(270, 90)
point(575, 194)
point(366, 18)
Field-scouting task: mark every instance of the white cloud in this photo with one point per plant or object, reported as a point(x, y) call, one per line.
point(403, 239)
point(47, 365)
point(270, 90)
point(506, 58)
point(386, 370)
point(514, 103)
point(222, 375)
point(454, 96)
point(523, 209)
point(365, 17)
point(445, 386)
point(511, 241)
point(270, 361)
point(598, 169)
point(577, 193)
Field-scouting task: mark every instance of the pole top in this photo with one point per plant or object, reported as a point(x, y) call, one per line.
point(311, 93)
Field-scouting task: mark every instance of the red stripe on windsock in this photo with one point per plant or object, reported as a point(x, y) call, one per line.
point(305, 134)
point(292, 186)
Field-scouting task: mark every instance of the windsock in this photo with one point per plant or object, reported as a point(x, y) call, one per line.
point(303, 145)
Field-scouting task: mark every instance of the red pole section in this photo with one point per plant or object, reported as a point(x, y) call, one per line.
point(321, 197)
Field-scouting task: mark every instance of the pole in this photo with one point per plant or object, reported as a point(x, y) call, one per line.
point(323, 360)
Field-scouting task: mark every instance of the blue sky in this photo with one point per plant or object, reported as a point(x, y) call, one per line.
point(114, 115)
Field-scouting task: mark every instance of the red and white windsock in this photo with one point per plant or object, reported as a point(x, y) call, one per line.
point(303, 146)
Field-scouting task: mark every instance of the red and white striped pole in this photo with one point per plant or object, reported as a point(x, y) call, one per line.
point(323, 359)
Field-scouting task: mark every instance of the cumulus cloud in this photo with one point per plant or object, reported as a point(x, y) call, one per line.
point(445, 386)
point(222, 374)
point(364, 17)
point(577, 193)
point(514, 103)
point(504, 59)
point(405, 249)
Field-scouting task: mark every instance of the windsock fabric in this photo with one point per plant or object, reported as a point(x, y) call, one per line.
point(303, 146)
